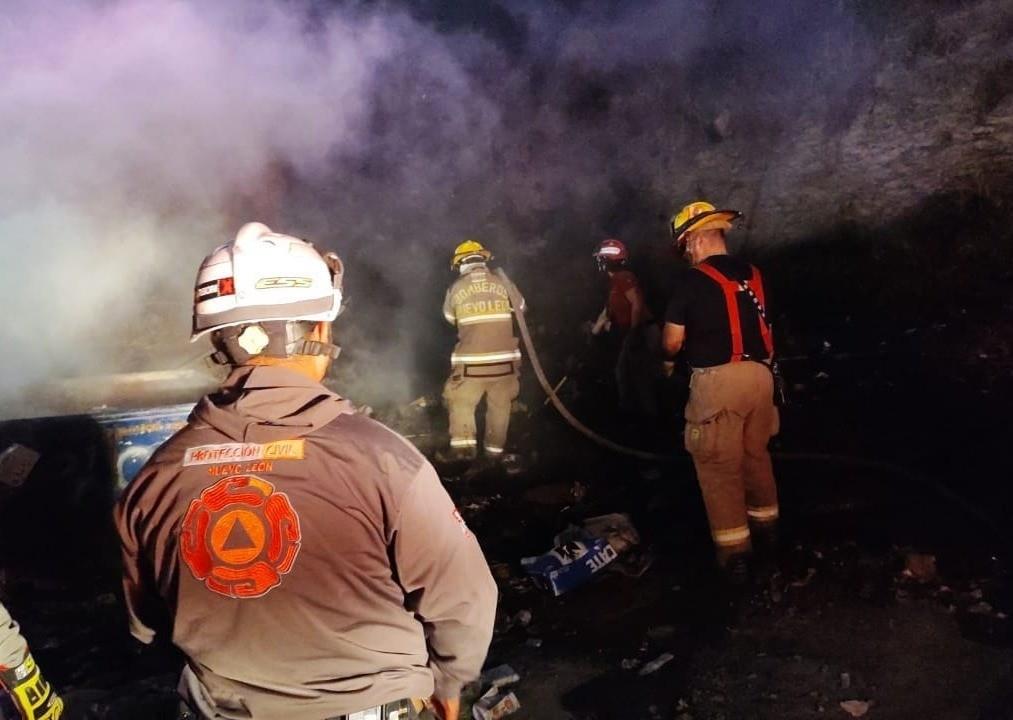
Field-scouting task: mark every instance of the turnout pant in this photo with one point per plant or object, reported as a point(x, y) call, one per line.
point(730, 418)
point(462, 393)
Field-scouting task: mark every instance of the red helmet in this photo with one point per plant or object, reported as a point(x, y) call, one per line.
point(611, 251)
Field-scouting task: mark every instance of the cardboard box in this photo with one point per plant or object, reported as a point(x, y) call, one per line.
point(570, 564)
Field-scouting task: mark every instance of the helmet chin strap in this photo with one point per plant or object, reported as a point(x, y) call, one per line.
point(313, 347)
point(277, 338)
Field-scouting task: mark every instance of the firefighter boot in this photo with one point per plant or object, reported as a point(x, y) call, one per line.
point(765, 546)
point(735, 569)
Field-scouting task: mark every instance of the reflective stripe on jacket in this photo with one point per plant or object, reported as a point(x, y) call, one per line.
point(478, 303)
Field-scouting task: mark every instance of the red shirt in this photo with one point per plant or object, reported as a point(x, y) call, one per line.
point(620, 310)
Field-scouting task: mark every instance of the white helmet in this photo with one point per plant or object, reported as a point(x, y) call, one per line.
point(264, 276)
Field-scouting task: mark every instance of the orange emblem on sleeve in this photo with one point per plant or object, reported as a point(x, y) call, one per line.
point(240, 537)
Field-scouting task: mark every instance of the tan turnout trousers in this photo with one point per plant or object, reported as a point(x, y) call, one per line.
point(463, 392)
point(730, 418)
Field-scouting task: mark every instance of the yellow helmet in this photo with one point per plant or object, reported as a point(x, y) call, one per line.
point(700, 215)
point(467, 249)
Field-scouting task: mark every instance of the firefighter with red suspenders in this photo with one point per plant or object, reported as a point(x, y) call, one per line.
point(718, 320)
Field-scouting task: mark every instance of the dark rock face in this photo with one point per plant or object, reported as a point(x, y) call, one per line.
point(925, 107)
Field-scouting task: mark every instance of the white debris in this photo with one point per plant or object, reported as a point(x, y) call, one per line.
point(855, 708)
point(656, 664)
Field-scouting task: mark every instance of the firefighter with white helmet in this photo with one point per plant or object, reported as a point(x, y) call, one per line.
point(20, 677)
point(305, 559)
point(486, 359)
point(719, 320)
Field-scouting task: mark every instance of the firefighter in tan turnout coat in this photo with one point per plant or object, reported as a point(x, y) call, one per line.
point(486, 360)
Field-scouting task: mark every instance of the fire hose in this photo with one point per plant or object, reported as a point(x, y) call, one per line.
point(846, 460)
point(518, 303)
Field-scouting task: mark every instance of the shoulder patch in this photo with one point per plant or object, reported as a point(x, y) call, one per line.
point(240, 537)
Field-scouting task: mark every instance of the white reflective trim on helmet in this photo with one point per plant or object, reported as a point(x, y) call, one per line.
point(261, 276)
point(610, 250)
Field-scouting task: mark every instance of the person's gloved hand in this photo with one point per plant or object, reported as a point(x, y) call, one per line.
point(33, 697)
point(602, 323)
point(446, 708)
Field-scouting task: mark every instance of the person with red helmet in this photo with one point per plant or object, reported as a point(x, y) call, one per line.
point(627, 319)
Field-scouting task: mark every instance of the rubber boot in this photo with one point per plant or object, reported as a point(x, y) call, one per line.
point(735, 570)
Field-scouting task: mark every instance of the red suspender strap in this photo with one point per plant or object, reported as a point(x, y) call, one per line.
point(730, 288)
point(756, 283)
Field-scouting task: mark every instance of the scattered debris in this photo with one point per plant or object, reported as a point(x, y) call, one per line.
point(656, 664)
point(920, 567)
point(571, 563)
point(616, 529)
point(499, 677)
point(556, 389)
point(16, 464)
point(513, 464)
point(810, 573)
point(981, 608)
point(629, 664)
point(855, 708)
point(494, 705)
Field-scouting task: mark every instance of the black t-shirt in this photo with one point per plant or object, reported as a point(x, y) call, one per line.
point(698, 303)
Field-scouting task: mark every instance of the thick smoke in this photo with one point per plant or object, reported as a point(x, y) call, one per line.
point(129, 131)
point(139, 134)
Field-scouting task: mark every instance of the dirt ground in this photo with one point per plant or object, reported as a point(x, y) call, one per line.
point(850, 609)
